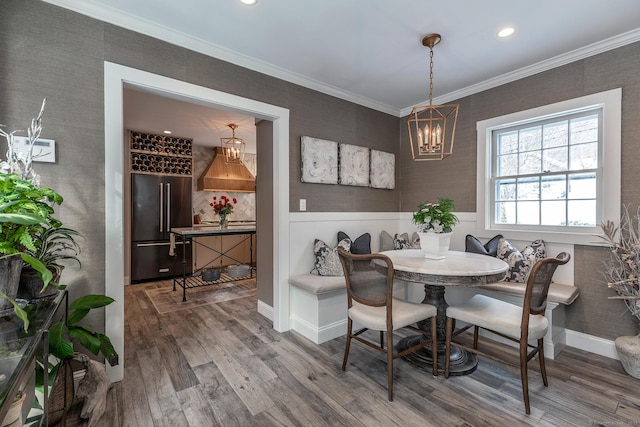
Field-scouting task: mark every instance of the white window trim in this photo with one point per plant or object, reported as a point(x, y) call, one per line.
point(611, 102)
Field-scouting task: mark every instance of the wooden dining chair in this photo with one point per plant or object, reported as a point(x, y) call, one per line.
point(519, 324)
point(371, 305)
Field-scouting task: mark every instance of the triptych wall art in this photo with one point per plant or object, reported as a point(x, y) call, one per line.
point(327, 162)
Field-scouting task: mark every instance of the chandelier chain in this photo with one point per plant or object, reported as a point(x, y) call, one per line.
point(430, 75)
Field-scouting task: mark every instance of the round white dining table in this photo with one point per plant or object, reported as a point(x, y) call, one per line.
point(456, 269)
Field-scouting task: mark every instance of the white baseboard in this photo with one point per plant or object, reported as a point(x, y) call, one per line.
point(265, 309)
point(592, 344)
point(318, 335)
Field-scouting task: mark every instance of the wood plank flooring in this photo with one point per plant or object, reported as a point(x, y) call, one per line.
point(222, 364)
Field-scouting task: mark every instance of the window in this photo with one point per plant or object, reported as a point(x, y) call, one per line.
point(553, 169)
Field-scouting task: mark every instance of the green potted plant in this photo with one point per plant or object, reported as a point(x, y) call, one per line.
point(24, 210)
point(63, 337)
point(53, 246)
point(435, 223)
point(24, 205)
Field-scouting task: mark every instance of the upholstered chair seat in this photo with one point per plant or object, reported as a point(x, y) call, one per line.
point(481, 311)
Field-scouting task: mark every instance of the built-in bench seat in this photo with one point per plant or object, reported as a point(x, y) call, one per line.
point(558, 293)
point(318, 306)
point(318, 284)
point(560, 296)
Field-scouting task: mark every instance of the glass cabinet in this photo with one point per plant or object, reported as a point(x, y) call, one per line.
point(21, 351)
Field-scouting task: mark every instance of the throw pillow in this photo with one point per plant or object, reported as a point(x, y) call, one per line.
point(399, 241)
point(361, 245)
point(327, 259)
point(520, 263)
point(472, 244)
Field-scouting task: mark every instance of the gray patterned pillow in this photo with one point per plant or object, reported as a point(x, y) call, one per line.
point(520, 263)
point(399, 241)
point(327, 258)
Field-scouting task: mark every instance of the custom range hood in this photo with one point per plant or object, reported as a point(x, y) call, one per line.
point(222, 176)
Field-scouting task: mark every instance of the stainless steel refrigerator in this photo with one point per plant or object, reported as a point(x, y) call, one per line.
point(158, 203)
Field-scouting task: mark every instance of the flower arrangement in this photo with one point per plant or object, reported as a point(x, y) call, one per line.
point(435, 217)
point(622, 270)
point(223, 206)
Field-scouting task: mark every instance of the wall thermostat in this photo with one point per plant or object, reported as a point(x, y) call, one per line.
point(44, 150)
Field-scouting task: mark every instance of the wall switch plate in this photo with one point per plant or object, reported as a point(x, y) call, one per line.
point(303, 204)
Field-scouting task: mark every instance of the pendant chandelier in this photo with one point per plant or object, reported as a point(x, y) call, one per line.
point(233, 148)
point(432, 128)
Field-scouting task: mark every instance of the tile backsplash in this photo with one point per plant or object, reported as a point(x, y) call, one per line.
point(244, 210)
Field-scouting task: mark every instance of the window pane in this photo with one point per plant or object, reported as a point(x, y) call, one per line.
point(508, 165)
point(556, 134)
point(584, 129)
point(529, 189)
point(506, 190)
point(544, 164)
point(531, 139)
point(582, 213)
point(583, 156)
point(528, 213)
point(529, 162)
point(508, 143)
point(555, 159)
point(554, 187)
point(553, 213)
point(582, 186)
point(505, 213)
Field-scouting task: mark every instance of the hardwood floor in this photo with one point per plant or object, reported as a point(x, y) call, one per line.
point(223, 365)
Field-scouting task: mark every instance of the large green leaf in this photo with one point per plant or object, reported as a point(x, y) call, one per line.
point(90, 301)
point(107, 350)
point(22, 218)
point(22, 315)
point(76, 316)
point(45, 274)
point(86, 338)
point(58, 346)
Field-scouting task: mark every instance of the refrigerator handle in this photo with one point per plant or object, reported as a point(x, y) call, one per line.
point(160, 209)
point(168, 206)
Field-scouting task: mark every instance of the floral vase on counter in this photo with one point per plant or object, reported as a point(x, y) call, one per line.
point(223, 207)
point(224, 222)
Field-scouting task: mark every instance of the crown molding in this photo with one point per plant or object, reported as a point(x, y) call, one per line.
point(557, 61)
point(146, 27)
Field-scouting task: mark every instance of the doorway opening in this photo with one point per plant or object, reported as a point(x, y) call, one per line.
point(116, 78)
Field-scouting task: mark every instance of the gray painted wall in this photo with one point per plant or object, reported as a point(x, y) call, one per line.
point(61, 57)
point(592, 313)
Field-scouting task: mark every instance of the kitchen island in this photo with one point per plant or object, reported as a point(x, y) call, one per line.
point(191, 234)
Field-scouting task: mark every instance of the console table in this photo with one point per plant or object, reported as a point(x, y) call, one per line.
point(194, 280)
point(19, 350)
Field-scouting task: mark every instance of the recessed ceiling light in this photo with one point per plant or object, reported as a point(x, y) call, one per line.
point(249, 2)
point(168, 132)
point(506, 32)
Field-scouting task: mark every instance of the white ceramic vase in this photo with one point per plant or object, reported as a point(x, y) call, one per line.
point(435, 245)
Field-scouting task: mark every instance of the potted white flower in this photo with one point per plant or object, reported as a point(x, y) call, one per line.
point(435, 223)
